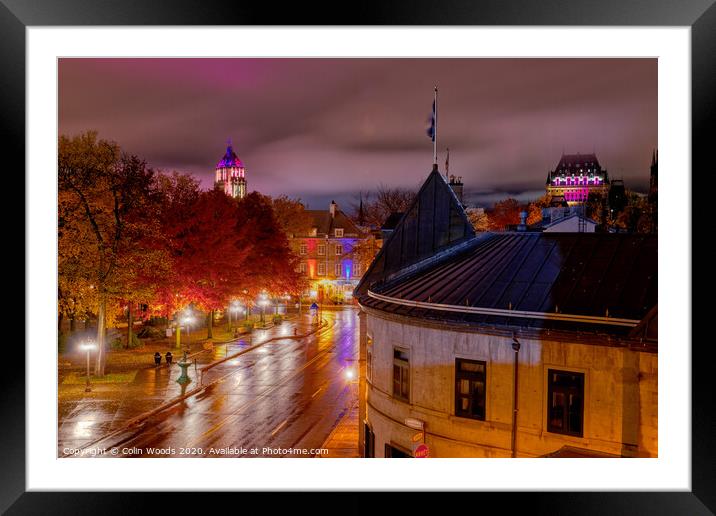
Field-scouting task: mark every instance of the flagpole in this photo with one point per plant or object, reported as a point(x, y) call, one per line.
point(435, 139)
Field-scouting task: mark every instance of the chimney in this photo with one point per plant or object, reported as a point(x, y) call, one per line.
point(333, 209)
point(457, 186)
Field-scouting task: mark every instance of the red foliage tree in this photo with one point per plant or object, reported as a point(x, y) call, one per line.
point(211, 252)
point(271, 266)
point(505, 213)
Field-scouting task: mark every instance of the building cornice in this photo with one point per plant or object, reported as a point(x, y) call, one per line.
point(574, 337)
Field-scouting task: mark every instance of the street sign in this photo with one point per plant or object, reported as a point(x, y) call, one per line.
point(414, 423)
point(418, 437)
point(422, 451)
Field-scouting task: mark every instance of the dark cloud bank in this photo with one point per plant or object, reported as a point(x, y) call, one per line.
point(327, 128)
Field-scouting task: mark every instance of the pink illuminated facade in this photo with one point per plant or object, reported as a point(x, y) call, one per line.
point(231, 174)
point(576, 176)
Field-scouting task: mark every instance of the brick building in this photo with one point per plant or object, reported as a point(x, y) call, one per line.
point(333, 255)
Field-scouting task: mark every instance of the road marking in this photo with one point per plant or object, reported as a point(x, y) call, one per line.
point(279, 427)
point(263, 394)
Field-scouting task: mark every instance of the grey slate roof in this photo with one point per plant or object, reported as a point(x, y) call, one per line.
point(570, 273)
point(325, 224)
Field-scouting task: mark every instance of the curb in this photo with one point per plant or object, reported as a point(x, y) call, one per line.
point(333, 432)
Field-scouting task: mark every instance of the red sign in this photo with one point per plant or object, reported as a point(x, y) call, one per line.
point(422, 451)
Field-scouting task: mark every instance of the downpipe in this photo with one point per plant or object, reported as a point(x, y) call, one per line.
point(516, 348)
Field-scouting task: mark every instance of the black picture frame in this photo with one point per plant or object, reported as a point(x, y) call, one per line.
point(700, 15)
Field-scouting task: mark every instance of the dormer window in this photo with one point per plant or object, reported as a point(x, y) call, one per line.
point(314, 231)
point(339, 232)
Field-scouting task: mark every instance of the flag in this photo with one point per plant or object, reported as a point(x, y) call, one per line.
point(431, 124)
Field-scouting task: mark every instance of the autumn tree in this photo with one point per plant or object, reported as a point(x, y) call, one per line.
point(177, 196)
point(76, 295)
point(105, 193)
point(596, 208)
point(209, 250)
point(478, 218)
point(505, 213)
point(271, 266)
point(534, 209)
point(636, 215)
point(291, 215)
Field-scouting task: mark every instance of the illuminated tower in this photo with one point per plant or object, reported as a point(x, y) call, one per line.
point(231, 174)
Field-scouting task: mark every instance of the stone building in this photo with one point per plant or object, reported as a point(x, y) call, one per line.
point(576, 176)
point(333, 255)
point(507, 344)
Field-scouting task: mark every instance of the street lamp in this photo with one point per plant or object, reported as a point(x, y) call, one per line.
point(233, 309)
point(263, 302)
point(188, 320)
point(88, 346)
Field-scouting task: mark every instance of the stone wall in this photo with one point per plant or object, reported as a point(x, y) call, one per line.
point(620, 405)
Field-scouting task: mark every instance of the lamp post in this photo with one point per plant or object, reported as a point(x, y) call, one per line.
point(263, 302)
point(187, 320)
point(235, 307)
point(88, 346)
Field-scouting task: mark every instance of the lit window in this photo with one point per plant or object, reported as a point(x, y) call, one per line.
point(321, 269)
point(304, 249)
point(356, 269)
point(339, 232)
point(339, 250)
point(314, 231)
point(470, 388)
point(302, 267)
point(321, 250)
point(338, 270)
point(565, 402)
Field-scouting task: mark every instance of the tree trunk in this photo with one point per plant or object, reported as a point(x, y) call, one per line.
point(229, 314)
point(72, 324)
point(130, 323)
point(99, 364)
point(60, 316)
point(209, 324)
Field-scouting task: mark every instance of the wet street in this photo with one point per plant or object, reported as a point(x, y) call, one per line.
point(281, 399)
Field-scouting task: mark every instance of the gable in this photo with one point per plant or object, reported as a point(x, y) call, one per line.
point(434, 222)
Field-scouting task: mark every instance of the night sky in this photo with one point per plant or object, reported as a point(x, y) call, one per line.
point(323, 129)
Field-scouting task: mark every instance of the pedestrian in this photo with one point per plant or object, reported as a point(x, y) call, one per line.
point(157, 358)
point(168, 356)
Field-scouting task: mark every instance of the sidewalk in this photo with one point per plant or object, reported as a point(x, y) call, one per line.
point(86, 416)
point(343, 441)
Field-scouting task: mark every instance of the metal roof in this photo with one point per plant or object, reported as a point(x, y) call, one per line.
point(582, 274)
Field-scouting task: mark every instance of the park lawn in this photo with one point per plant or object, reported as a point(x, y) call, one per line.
point(77, 378)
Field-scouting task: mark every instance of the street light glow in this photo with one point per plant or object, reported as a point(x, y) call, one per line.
point(88, 346)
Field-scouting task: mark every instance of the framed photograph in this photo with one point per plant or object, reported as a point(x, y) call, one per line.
point(266, 251)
